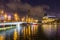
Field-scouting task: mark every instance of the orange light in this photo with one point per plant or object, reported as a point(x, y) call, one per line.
point(9, 17)
point(5, 16)
point(2, 11)
point(15, 15)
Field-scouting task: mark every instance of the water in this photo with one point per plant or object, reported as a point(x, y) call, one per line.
point(34, 32)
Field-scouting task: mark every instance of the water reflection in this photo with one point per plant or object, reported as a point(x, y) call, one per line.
point(49, 29)
point(34, 29)
point(15, 34)
point(29, 32)
point(2, 37)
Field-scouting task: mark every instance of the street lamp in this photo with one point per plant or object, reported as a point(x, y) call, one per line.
point(9, 18)
point(36, 21)
point(5, 16)
point(16, 17)
point(23, 19)
point(1, 12)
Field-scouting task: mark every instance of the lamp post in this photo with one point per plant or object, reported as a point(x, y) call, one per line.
point(9, 18)
point(23, 19)
point(16, 17)
point(5, 17)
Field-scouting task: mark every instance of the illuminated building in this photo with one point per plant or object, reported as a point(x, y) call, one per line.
point(49, 25)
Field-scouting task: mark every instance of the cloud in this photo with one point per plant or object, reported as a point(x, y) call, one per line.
point(37, 11)
point(25, 6)
point(34, 10)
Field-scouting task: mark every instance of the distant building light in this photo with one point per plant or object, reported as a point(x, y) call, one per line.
point(51, 16)
point(9, 17)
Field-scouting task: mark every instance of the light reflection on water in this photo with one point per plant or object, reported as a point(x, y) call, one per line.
point(2, 37)
point(27, 32)
point(15, 34)
point(49, 29)
point(34, 29)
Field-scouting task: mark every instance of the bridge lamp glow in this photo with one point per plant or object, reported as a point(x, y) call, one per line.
point(2, 11)
point(9, 17)
point(5, 16)
point(36, 21)
point(15, 15)
point(23, 19)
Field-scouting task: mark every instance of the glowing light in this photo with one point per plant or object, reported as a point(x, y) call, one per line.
point(15, 34)
point(15, 15)
point(23, 19)
point(36, 21)
point(9, 17)
point(1, 37)
point(34, 29)
point(46, 19)
point(2, 11)
point(24, 31)
point(5, 16)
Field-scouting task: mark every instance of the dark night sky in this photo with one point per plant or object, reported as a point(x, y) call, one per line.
point(54, 4)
